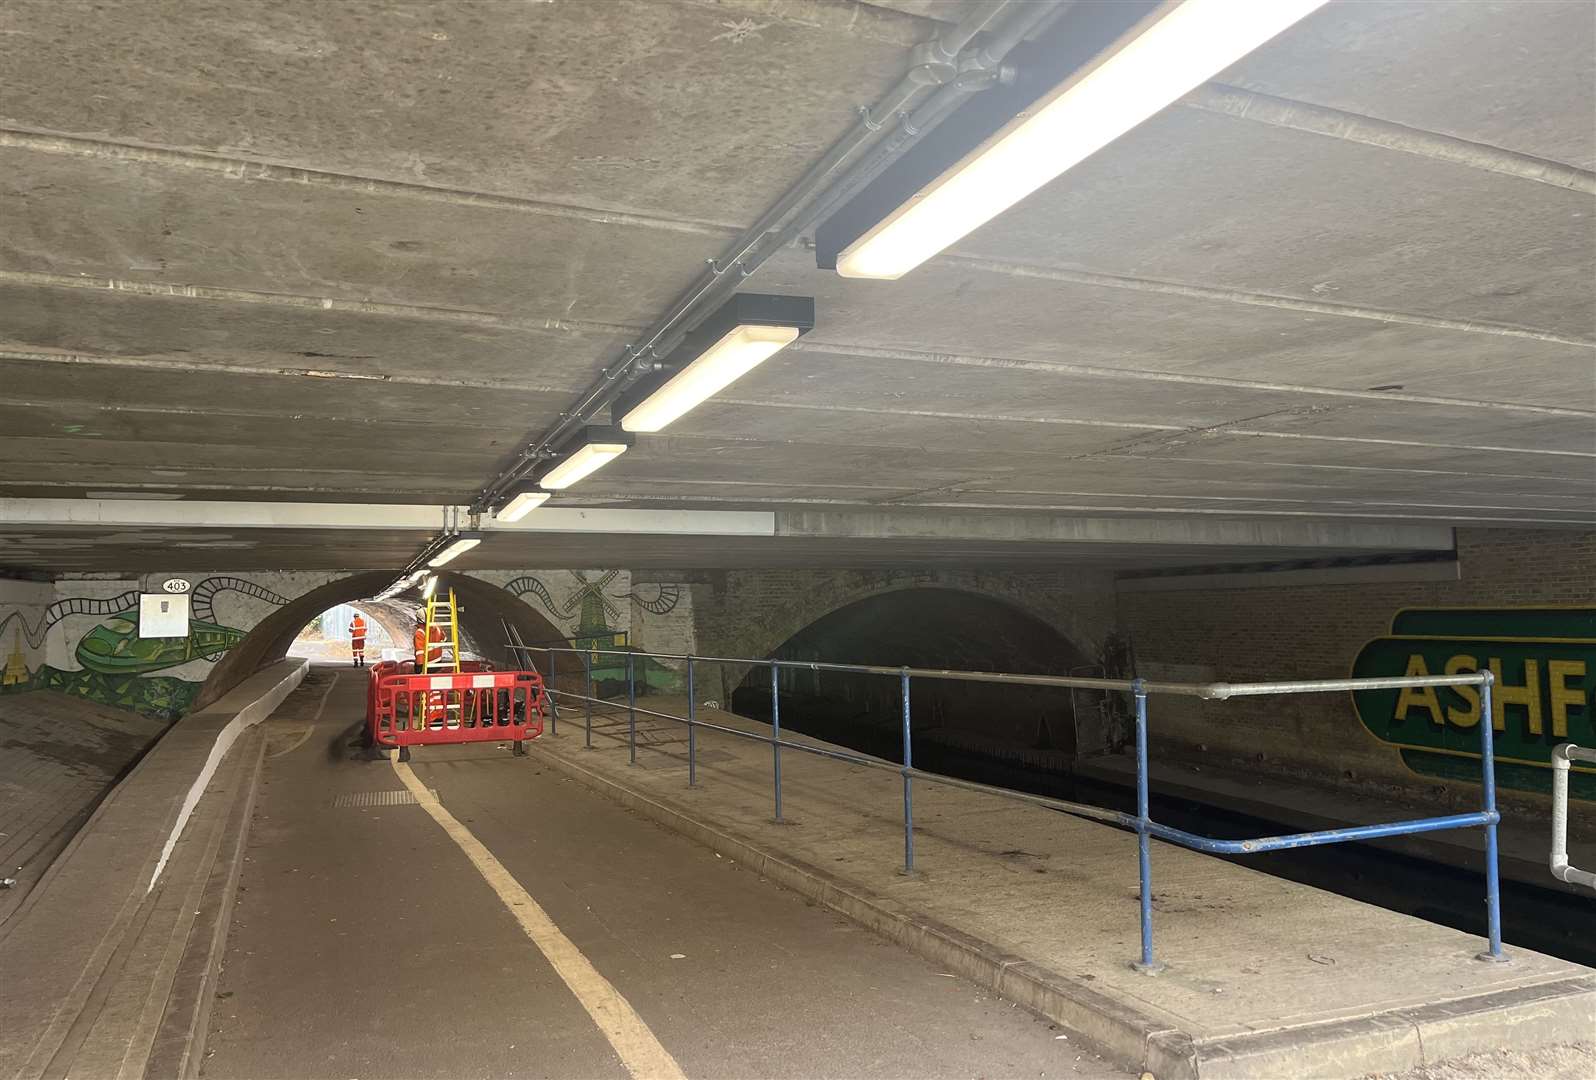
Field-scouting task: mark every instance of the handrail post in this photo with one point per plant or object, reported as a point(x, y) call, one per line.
point(908, 767)
point(775, 730)
point(1146, 965)
point(631, 709)
point(554, 705)
point(1493, 892)
point(692, 731)
point(587, 671)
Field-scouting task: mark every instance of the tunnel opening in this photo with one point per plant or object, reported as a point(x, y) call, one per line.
point(485, 612)
point(326, 638)
point(962, 728)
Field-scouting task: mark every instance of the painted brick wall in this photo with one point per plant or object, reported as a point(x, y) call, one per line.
point(24, 631)
point(1313, 632)
point(43, 627)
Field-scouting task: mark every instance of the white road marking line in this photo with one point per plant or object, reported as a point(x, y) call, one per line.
point(310, 727)
point(632, 1039)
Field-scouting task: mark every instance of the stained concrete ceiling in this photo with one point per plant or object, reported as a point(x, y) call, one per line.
point(358, 251)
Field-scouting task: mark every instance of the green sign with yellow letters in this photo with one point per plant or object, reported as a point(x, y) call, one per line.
point(1544, 660)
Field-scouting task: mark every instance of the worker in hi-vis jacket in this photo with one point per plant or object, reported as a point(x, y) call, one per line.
point(357, 639)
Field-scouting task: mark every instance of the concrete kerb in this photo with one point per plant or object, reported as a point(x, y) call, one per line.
point(1390, 1041)
point(257, 705)
point(178, 1046)
point(107, 875)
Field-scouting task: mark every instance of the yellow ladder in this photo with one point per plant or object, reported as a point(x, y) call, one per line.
point(441, 614)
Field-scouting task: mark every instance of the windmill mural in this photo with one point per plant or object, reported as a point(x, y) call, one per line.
point(592, 620)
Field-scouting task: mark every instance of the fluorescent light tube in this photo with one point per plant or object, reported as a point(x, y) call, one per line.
point(454, 551)
point(522, 505)
point(432, 587)
point(1185, 47)
point(739, 351)
point(584, 460)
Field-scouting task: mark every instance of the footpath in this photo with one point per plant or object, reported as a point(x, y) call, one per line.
point(1264, 977)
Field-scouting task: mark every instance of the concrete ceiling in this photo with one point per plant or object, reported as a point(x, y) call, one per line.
point(358, 251)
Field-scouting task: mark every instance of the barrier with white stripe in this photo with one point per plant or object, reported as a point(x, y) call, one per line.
point(405, 709)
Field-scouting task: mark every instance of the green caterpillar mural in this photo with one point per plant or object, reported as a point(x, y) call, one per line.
point(117, 663)
point(115, 648)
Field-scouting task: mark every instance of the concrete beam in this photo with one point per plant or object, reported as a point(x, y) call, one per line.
point(842, 525)
point(132, 513)
point(1037, 528)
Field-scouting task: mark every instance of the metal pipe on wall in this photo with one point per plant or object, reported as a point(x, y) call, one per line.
point(1563, 757)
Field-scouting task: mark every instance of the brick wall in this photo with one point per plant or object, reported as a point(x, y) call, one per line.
point(1313, 632)
point(752, 612)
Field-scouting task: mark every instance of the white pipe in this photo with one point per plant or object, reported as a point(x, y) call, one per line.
point(1562, 757)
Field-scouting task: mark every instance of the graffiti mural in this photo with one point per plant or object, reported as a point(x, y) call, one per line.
point(16, 669)
point(592, 611)
point(592, 620)
point(115, 648)
point(114, 665)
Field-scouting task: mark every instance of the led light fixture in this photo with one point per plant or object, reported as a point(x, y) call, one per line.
point(740, 335)
point(521, 504)
point(1165, 56)
point(403, 583)
point(593, 449)
point(455, 546)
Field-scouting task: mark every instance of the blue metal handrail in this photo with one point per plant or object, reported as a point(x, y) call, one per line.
point(1141, 822)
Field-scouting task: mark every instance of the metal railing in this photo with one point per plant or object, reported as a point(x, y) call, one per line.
point(1563, 758)
point(1140, 823)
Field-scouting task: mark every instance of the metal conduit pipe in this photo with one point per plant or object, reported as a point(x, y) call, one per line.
point(977, 71)
point(952, 41)
point(1034, 20)
point(1563, 758)
point(935, 62)
point(971, 72)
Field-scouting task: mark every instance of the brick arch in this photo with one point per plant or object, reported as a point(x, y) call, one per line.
point(752, 613)
point(822, 595)
point(482, 606)
point(931, 626)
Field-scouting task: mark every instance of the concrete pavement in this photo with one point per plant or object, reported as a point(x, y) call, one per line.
point(1266, 977)
point(365, 943)
point(102, 962)
point(60, 756)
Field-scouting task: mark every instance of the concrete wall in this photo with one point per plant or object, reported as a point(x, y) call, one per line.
point(24, 631)
point(1312, 631)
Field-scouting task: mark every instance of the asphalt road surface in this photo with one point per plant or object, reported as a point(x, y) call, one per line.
point(514, 924)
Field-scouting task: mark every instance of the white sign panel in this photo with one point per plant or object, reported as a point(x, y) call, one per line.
point(175, 585)
point(162, 616)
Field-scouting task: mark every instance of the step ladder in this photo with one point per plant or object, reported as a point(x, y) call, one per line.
point(441, 614)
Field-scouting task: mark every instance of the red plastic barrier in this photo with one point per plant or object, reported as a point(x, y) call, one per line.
point(375, 674)
point(406, 709)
